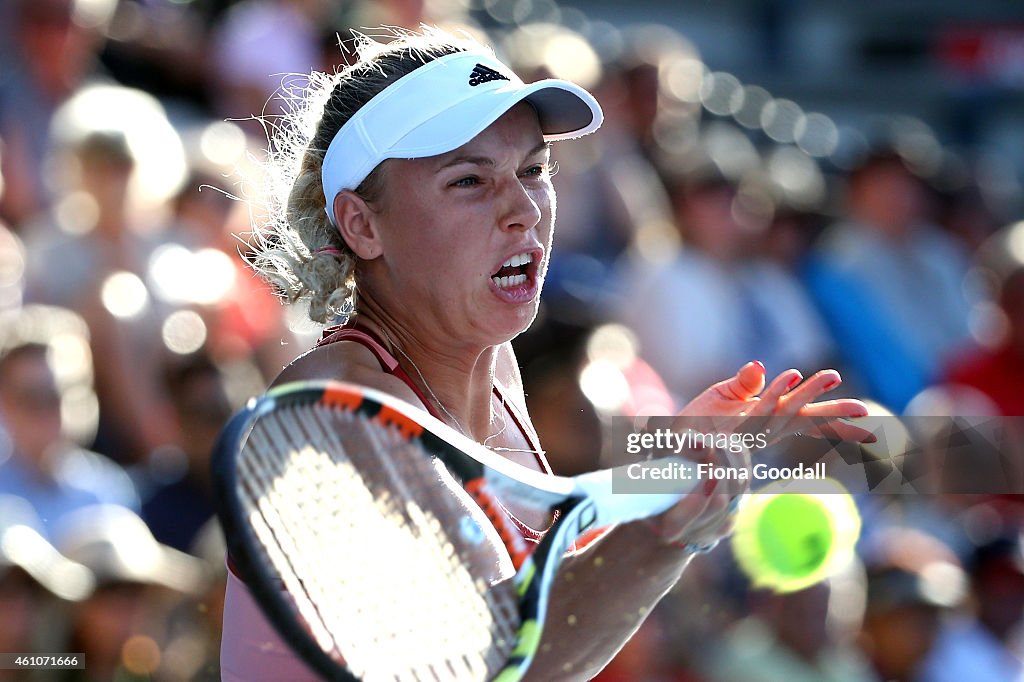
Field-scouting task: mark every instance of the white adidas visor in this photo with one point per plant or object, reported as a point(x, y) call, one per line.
point(441, 106)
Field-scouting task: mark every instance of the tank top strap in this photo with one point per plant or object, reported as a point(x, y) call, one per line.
point(388, 362)
point(520, 421)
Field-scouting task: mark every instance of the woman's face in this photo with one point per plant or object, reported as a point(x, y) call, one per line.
point(465, 236)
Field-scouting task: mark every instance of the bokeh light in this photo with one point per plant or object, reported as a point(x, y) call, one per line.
point(749, 113)
point(183, 332)
point(684, 78)
point(180, 275)
point(124, 295)
point(223, 143)
point(816, 134)
point(721, 93)
point(780, 118)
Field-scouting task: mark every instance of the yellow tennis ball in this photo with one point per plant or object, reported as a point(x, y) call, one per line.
point(786, 541)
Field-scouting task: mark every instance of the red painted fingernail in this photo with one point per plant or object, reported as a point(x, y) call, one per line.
point(759, 364)
point(709, 486)
point(797, 378)
point(832, 384)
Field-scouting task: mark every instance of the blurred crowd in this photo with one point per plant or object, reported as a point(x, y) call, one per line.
point(690, 239)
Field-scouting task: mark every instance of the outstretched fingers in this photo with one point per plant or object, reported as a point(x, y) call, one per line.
point(788, 403)
point(813, 387)
point(770, 402)
point(826, 420)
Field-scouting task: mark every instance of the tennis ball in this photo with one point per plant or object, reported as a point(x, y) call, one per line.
point(786, 541)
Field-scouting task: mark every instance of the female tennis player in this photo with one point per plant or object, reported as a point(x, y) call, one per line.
point(424, 185)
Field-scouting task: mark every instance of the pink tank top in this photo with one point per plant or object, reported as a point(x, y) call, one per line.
point(251, 650)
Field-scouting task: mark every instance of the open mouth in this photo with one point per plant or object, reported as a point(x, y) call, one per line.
point(515, 272)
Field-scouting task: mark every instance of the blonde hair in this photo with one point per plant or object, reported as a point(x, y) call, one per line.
point(298, 250)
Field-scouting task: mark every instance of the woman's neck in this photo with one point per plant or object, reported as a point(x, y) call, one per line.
point(456, 378)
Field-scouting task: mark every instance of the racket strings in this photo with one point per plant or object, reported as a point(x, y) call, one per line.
point(377, 554)
point(405, 467)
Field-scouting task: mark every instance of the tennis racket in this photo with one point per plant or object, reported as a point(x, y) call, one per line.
point(370, 533)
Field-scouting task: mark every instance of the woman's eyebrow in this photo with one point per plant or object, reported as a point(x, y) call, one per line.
point(473, 160)
point(488, 161)
point(543, 146)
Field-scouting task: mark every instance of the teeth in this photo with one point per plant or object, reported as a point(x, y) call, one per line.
point(517, 260)
point(511, 281)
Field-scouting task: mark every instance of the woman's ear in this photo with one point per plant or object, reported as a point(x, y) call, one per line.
point(356, 225)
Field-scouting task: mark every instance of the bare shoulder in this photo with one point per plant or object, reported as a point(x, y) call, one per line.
point(345, 361)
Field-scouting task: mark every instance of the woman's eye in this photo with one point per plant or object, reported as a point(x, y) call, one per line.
point(465, 182)
point(534, 171)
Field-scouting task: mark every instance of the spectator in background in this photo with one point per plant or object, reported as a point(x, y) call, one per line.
point(966, 212)
point(93, 259)
point(12, 258)
point(984, 645)
point(411, 15)
point(176, 510)
point(789, 637)
point(792, 192)
point(889, 284)
point(125, 624)
point(45, 374)
point(244, 321)
point(258, 46)
point(997, 369)
point(566, 420)
point(36, 585)
point(54, 44)
point(160, 46)
point(715, 305)
point(913, 579)
point(648, 70)
point(12, 269)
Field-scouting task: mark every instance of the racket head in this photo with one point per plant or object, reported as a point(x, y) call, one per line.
point(285, 533)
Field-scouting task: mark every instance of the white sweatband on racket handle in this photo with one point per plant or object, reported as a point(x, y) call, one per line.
point(441, 106)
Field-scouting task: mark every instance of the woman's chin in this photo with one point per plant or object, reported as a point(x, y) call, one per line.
point(514, 321)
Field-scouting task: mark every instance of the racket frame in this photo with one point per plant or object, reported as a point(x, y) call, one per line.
point(582, 503)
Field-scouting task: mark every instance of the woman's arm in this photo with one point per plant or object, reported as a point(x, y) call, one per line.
point(604, 593)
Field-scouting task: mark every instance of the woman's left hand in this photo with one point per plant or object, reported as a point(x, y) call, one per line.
point(743, 403)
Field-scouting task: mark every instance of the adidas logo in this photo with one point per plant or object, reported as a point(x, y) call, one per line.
point(482, 74)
